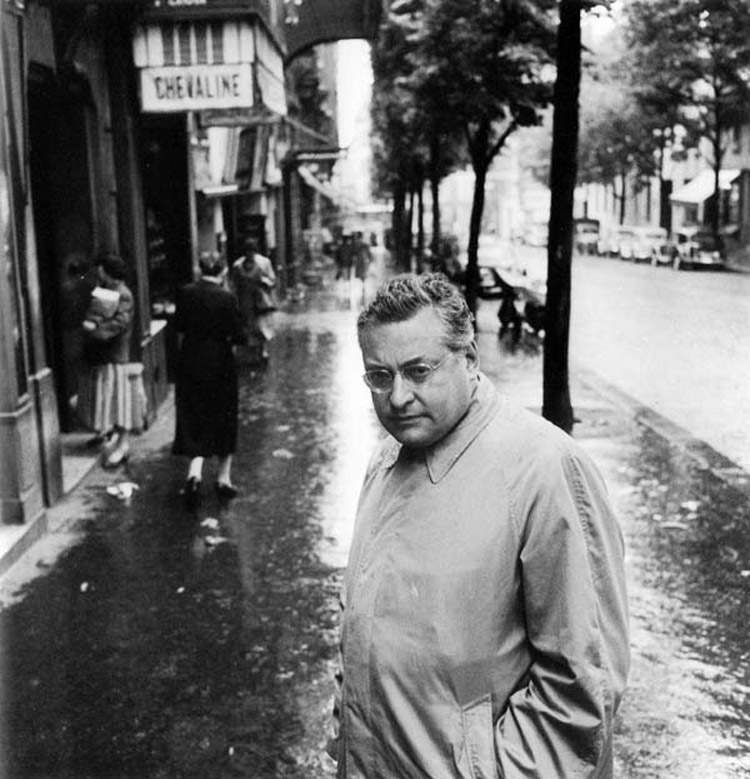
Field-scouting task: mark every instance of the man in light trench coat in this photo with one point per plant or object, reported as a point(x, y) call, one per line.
point(484, 629)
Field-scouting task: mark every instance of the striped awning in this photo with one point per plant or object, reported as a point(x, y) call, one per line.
point(203, 64)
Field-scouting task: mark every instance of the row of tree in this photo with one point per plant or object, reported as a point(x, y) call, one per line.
point(454, 79)
point(675, 77)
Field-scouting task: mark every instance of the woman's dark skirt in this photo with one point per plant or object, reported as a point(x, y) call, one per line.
point(206, 400)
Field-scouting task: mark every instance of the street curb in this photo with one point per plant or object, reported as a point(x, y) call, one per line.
point(705, 456)
point(26, 536)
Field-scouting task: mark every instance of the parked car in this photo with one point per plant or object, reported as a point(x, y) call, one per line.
point(491, 283)
point(663, 253)
point(696, 247)
point(638, 243)
point(607, 245)
point(586, 235)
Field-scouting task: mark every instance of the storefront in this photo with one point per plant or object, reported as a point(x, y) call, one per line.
point(71, 190)
point(212, 73)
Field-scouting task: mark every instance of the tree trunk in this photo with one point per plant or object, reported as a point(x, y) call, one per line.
point(475, 223)
point(397, 223)
point(408, 233)
point(623, 198)
point(556, 405)
point(718, 159)
point(435, 191)
point(420, 226)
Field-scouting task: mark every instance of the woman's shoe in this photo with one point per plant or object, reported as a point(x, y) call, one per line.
point(116, 457)
point(100, 439)
point(225, 490)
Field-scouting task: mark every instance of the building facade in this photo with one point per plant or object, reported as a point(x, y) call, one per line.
point(156, 129)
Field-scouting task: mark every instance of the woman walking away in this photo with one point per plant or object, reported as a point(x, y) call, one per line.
point(209, 324)
point(112, 400)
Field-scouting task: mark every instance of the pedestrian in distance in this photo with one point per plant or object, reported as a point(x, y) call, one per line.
point(253, 281)
point(209, 326)
point(508, 315)
point(111, 399)
point(345, 257)
point(362, 261)
point(484, 626)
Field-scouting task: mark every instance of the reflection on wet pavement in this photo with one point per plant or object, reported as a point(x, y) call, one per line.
point(687, 709)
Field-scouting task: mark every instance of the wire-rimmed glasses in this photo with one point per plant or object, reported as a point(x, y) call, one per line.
point(380, 380)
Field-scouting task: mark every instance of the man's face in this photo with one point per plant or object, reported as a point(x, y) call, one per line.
point(419, 415)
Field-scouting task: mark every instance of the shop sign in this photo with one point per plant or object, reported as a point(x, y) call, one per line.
point(196, 87)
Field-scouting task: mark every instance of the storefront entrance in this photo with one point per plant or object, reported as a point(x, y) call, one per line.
point(63, 228)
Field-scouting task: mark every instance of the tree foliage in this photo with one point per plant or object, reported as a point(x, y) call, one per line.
point(413, 137)
point(489, 62)
point(693, 58)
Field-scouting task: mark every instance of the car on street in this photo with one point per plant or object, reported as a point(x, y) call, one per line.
point(491, 283)
point(696, 247)
point(607, 244)
point(586, 235)
point(638, 243)
point(663, 253)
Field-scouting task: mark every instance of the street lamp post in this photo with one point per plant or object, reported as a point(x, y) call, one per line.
point(663, 138)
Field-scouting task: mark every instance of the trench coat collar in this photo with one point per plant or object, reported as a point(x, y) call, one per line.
point(440, 457)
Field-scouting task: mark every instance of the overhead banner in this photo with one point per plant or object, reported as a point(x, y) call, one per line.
point(196, 87)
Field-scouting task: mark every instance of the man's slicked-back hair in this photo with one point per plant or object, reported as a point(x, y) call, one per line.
point(404, 296)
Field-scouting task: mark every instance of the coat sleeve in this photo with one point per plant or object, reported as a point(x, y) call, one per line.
point(110, 327)
point(560, 723)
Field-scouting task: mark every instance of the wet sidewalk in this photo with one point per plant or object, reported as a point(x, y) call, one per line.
point(142, 639)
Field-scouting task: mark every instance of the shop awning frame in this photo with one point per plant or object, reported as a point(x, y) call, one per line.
point(325, 189)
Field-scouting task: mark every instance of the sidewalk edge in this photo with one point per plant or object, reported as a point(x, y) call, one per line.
point(48, 520)
point(705, 456)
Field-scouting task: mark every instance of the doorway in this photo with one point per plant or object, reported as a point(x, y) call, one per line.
point(60, 117)
point(63, 229)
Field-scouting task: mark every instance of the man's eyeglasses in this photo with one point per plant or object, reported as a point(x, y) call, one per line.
point(380, 380)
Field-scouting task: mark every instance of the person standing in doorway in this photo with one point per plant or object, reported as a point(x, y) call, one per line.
point(485, 627)
point(209, 325)
point(111, 398)
point(253, 280)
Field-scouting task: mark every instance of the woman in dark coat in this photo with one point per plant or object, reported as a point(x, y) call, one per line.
point(209, 322)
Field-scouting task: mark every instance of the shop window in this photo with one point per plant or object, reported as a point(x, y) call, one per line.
point(160, 276)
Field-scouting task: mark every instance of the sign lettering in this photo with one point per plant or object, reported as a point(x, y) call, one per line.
point(196, 88)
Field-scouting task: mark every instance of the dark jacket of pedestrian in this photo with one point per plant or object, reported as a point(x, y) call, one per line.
point(208, 319)
point(345, 257)
point(362, 257)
